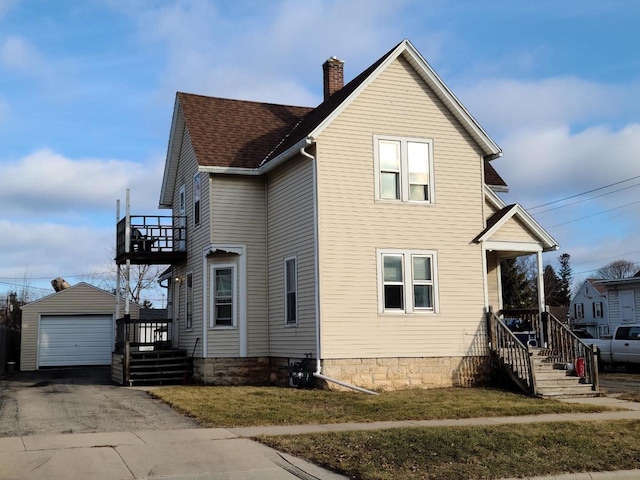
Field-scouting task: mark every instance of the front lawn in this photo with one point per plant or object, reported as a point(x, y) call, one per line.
point(470, 452)
point(253, 406)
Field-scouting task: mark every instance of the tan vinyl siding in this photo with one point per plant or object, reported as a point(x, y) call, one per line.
point(81, 299)
point(238, 218)
point(353, 226)
point(197, 238)
point(514, 230)
point(290, 232)
point(489, 209)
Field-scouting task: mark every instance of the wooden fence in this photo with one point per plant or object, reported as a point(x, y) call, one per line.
point(9, 347)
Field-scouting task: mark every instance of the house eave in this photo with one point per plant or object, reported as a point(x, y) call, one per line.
point(265, 167)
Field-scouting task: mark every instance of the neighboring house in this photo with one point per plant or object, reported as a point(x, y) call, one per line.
point(623, 296)
point(366, 232)
point(588, 309)
point(69, 328)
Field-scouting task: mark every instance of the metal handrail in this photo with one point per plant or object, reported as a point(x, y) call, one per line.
point(566, 348)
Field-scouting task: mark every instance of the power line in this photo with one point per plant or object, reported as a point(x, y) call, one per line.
point(587, 199)
point(583, 193)
point(595, 214)
point(607, 258)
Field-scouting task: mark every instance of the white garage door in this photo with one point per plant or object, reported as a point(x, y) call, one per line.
point(67, 340)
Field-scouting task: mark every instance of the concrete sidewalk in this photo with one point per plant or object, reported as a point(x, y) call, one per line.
point(216, 453)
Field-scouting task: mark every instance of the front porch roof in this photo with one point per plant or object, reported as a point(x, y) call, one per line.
point(539, 239)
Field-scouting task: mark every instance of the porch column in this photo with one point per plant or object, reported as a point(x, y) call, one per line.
point(541, 300)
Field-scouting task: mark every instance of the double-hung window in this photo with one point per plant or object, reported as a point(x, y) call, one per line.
point(407, 281)
point(291, 291)
point(404, 169)
point(196, 199)
point(223, 295)
point(597, 309)
point(579, 310)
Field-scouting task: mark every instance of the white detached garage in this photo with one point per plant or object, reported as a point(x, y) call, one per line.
point(72, 327)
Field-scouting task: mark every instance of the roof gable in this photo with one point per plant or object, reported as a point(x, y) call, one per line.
point(515, 211)
point(243, 137)
point(81, 288)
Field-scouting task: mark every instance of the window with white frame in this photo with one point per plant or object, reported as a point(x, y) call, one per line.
point(597, 309)
point(407, 281)
point(189, 302)
point(579, 310)
point(291, 291)
point(196, 199)
point(404, 169)
point(223, 295)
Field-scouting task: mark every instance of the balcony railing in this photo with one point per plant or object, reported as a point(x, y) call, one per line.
point(143, 334)
point(153, 239)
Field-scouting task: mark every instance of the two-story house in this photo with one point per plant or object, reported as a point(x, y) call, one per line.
point(589, 308)
point(366, 232)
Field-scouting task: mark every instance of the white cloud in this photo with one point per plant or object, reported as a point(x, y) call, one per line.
point(506, 105)
point(69, 250)
point(252, 55)
point(48, 183)
point(17, 54)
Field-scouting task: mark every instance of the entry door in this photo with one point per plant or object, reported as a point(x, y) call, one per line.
point(627, 306)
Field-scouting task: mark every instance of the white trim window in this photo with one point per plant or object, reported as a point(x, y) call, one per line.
point(196, 199)
point(291, 291)
point(579, 310)
point(223, 295)
point(407, 281)
point(189, 301)
point(597, 310)
point(403, 169)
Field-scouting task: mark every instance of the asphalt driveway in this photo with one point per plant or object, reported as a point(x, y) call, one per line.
point(79, 400)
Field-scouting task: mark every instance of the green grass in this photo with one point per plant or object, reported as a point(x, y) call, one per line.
point(253, 406)
point(471, 452)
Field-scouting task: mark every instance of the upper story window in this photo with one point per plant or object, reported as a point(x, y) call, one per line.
point(196, 199)
point(597, 310)
point(404, 169)
point(579, 310)
point(407, 281)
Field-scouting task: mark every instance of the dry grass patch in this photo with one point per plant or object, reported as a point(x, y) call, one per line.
point(471, 452)
point(253, 406)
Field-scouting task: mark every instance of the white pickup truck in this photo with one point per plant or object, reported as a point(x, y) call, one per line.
point(622, 349)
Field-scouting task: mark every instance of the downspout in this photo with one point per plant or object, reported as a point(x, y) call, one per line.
point(318, 372)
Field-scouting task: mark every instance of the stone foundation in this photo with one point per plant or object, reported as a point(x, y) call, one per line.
point(400, 373)
point(371, 373)
point(232, 371)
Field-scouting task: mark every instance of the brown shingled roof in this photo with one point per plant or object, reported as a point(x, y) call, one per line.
point(491, 177)
point(236, 133)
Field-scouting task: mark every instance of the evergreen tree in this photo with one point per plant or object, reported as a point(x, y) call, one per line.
point(552, 287)
point(517, 288)
point(565, 280)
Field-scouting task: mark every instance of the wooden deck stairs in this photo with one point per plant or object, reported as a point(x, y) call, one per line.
point(566, 368)
point(553, 380)
point(159, 367)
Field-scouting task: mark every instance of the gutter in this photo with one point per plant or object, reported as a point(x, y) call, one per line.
point(318, 373)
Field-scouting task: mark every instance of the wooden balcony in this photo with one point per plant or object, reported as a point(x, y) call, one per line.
point(151, 240)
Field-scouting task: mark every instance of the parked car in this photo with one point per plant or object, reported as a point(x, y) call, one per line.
point(622, 349)
point(582, 334)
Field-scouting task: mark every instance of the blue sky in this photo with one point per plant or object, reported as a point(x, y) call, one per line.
point(87, 91)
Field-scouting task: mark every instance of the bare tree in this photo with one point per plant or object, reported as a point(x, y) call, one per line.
point(617, 269)
point(143, 281)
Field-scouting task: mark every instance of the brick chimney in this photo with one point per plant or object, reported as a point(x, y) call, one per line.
point(333, 76)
